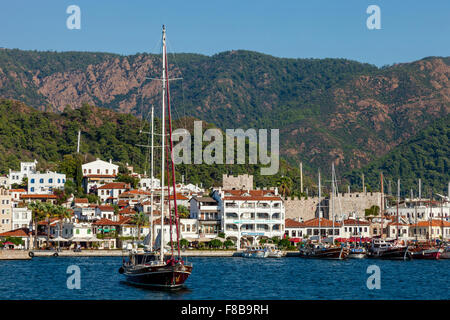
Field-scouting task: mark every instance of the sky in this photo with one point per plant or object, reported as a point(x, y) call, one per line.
point(410, 30)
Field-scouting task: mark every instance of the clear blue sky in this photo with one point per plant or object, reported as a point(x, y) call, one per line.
point(298, 29)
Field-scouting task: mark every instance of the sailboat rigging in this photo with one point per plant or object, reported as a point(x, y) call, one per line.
point(149, 268)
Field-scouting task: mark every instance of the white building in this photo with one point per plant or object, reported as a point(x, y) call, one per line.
point(4, 182)
point(6, 206)
point(83, 213)
point(250, 215)
point(25, 169)
point(206, 211)
point(98, 173)
point(110, 192)
point(45, 183)
point(21, 217)
point(146, 183)
point(355, 228)
point(422, 211)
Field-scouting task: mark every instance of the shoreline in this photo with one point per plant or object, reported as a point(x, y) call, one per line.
point(25, 254)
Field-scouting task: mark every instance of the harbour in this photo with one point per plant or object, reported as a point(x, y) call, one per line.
point(230, 278)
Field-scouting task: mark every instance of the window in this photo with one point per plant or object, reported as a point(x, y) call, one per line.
point(59, 180)
point(77, 231)
point(106, 171)
point(32, 189)
point(41, 180)
point(50, 180)
point(89, 170)
point(32, 181)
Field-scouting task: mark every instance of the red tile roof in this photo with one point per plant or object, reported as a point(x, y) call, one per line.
point(353, 222)
point(38, 196)
point(323, 223)
point(434, 223)
point(22, 232)
point(81, 200)
point(115, 185)
point(105, 208)
point(105, 222)
point(100, 176)
point(255, 195)
point(291, 223)
point(127, 210)
point(17, 190)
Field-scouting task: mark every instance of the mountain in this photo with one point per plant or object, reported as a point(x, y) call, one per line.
point(326, 109)
point(51, 138)
point(425, 156)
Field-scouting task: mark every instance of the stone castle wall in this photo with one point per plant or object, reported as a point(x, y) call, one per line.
point(243, 181)
point(345, 203)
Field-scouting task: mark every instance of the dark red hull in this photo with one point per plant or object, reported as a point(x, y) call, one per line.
point(162, 276)
point(426, 255)
point(328, 254)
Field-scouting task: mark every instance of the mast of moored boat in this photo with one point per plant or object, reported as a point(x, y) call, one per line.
point(381, 204)
point(398, 202)
point(320, 194)
point(333, 177)
point(163, 132)
point(151, 186)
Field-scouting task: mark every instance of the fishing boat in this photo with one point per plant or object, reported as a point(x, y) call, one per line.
point(274, 252)
point(321, 251)
point(357, 253)
point(425, 253)
point(161, 269)
point(445, 253)
point(255, 252)
point(383, 249)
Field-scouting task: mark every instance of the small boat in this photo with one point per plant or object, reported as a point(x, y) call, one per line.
point(322, 252)
point(426, 252)
point(357, 253)
point(274, 252)
point(255, 252)
point(445, 253)
point(382, 249)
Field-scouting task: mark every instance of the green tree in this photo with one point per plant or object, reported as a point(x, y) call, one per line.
point(139, 219)
point(38, 213)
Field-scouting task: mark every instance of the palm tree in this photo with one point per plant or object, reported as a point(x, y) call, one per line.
point(50, 211)
point(37, 214)
point(284, 186)
point(140, 219)
point(62, 213)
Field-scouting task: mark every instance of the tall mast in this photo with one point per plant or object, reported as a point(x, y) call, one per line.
point(320, 194)
point(333, 177)
point(151, 187)
point(163, 132)
point(381, 204)
point(172, 166)
point(398, 202)
point(301, 178)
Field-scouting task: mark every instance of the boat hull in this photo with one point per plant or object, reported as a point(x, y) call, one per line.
point(259, 255)
point(430, 254)
point(356, 255)
point(393, 254)
point(163, 276)
point(326, 254)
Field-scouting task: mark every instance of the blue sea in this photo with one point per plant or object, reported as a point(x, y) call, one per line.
point(230, 278)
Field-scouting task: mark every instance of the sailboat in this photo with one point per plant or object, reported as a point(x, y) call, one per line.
point(161, 269)
point(322, 251)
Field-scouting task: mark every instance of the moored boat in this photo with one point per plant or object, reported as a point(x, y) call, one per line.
point(382, 249)
point(155, 269)
point(255, 252)
point(323, 252)
point(357, 253)
point(445, 253)
point(274, 252)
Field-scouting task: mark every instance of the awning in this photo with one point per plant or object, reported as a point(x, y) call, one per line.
point(295, 240)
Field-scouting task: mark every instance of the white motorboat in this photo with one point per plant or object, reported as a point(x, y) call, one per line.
point(255, 252)
point(274, 252)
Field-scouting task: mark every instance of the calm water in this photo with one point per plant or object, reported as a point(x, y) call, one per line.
point(231, 278)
